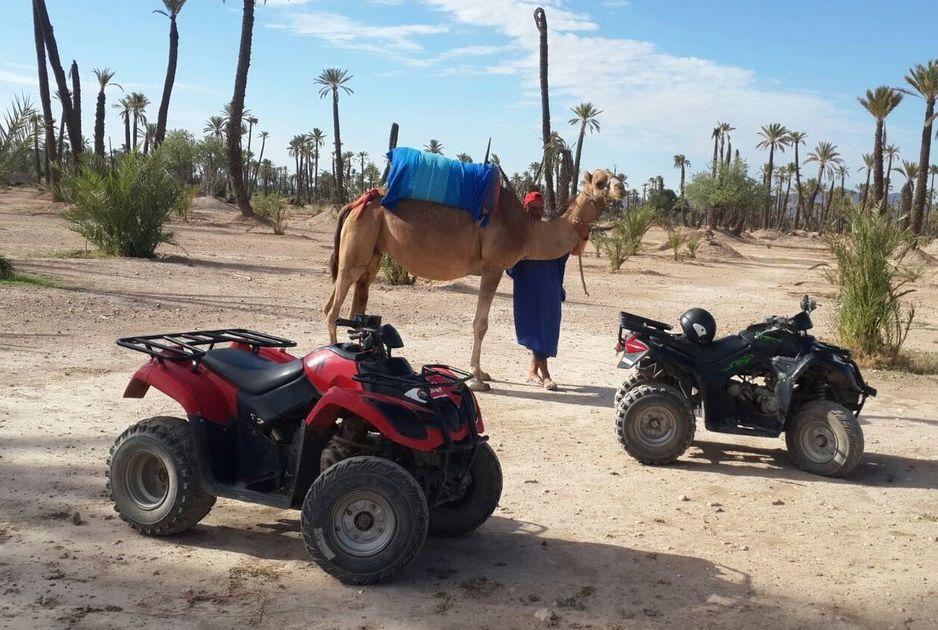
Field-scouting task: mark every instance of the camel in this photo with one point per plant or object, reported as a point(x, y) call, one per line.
point(440, 242)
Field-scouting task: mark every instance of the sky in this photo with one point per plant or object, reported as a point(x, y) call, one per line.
point(662, 71)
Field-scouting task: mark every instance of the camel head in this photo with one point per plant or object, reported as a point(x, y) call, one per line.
point(602, 185)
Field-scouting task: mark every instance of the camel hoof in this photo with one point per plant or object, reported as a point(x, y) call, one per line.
point(485, 376)
point(477, 385)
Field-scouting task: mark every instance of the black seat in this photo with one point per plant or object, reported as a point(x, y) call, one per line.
point(250, 372)
point(712, 351)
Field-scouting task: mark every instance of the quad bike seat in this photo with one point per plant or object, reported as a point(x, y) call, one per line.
point(712, 351)
point(250, 372)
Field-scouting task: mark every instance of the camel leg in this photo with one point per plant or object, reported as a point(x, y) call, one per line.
point(480, 325)
point(343, 282)
point(360, 297)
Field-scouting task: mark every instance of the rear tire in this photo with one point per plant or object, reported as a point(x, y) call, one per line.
point(631, 382)
point(153, 477)
point(461, 516)
point(655, 423)
point(364, 519)
point(824, 438)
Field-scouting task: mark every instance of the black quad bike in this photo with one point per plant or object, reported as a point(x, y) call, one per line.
point(375, 454)
point(771, 378)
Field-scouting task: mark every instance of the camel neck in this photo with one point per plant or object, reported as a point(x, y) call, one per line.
point(547, 240)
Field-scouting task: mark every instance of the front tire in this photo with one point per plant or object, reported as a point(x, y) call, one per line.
point(655, 423)
point(467, 512)
point(153, 477)
point(824, 438)
point(364, 519)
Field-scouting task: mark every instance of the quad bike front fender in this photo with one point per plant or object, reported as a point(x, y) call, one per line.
point(843, 377)
point(196, 391)
point(391, 417)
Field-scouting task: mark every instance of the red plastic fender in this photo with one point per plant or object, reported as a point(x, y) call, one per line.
point(201, 393)
point(339, 399)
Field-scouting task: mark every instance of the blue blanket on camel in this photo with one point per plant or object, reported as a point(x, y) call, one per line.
point(420, 175)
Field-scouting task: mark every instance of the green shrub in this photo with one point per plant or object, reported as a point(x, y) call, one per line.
point(274, 207)
point(676, 240)
point(624, 238)
point(693, 243)
point(871, 282)
point(6, 269)
point(14, 137)
point(395, 274)
point(123, 211)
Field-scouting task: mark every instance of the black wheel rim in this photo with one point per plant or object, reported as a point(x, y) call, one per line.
point(146, 480)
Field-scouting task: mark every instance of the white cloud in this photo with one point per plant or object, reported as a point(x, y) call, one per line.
point(399, 41)
point(286, 3)
point(652, 100)
point(21, 79)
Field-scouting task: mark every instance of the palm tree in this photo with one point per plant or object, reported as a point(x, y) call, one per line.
point(910, 171)
point(540, 20)
point(295, 150)
point(868, 167)
point(790, 169)
point(236, 109)
point(434, 146)
point(725, 130)
point(215, 127)
point(924, 82)
point(173, 7)
point(124, 106)
point(716, 134)
point(362, 156)
point(826, 156)
point(45, 97)
point(465, 158)
point(318, 139)
point(796, 138)
point(73, 124)
point(105, 77)
point(682, 163)
point(148, 136)
point(260, 158)
point(879, 103)
point(138, 103)
point(587, 117)
point(251, 120)
point(774, 137)
point(891, 152)
point(932, 170)
point(332, 80)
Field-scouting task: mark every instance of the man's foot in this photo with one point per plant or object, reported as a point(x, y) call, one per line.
point(535, 379)
point(550, 385)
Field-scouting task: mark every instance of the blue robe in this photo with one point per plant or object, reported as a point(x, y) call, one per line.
point(537, 297)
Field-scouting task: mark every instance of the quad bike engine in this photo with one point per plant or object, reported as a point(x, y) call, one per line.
point(351, 438)
point(759, 395)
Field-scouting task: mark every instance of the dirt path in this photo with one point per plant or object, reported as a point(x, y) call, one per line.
point(582, 531)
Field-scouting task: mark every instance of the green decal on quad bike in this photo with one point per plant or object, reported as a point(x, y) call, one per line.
point(741, 362)
point(762, 336)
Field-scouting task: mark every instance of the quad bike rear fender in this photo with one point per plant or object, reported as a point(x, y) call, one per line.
point(842, 376)
point(198, 391)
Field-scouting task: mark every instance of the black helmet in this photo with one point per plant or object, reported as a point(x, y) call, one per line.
point(698, 325)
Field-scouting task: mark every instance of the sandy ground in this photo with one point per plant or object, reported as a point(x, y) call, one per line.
point(582, 529)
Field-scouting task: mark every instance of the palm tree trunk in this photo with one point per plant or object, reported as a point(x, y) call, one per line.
point(136, 125)
point(363, 174)
point(257, 166)
point(540, 19)
point(37, 161)
point(827, 208)
point(576, 162)
point(339, 183)
point(878, 166)
point(76, 104)
point(886, 186)
point(918, 202)
point(61, 144)
point(316, 174)
point(99, 124)
point(714, 163)
point(68, 114)
point(866, 191)
point(168, 82)
point(797, 189)
point(784, 209)
point(768, 183)
point(52, 176)
point(235, 158)
point(809, 213)
point(127, 133)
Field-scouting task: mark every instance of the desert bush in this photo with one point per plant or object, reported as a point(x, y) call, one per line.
point(274, 207)
point(14, 137)
point(693, 244)
point(676, 239)
point(394, 273)
point(872, 317)
point(123, 211)
point(6, 269)
point(624, 238)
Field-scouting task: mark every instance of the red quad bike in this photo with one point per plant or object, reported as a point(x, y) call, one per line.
point(375, 454)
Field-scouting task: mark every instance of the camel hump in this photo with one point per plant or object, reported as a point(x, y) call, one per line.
point(430, 177)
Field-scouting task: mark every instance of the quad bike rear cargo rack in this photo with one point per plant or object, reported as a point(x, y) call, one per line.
point(191, 346)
